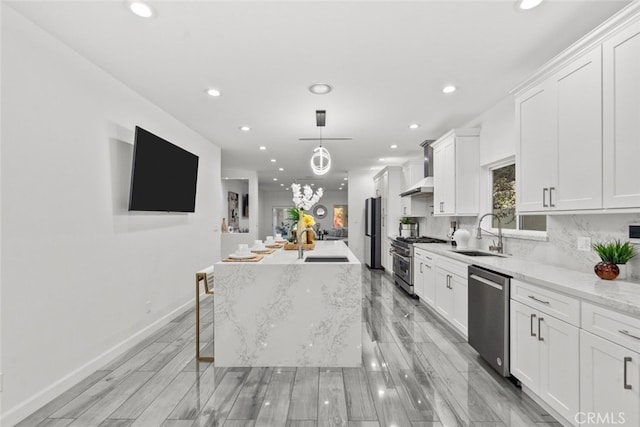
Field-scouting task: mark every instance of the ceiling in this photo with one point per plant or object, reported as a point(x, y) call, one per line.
point(387, 63)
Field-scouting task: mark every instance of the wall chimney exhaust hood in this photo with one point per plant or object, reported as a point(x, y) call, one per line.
point(425, 185)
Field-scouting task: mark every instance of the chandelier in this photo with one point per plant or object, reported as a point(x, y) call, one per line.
point(320, 159)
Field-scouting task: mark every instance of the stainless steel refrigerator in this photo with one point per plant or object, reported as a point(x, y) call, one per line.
point(372, 233)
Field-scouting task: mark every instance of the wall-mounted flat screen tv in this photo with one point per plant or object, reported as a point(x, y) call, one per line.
point(163, 175)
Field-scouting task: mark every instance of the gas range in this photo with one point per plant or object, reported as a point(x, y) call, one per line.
point(421, 239)
point(402, 250)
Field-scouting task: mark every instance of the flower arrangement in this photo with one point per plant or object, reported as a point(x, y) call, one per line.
point(304, 199)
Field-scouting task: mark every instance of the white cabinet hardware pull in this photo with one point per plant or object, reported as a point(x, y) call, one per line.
point(551, 190)
point(533, 316)
point(625, 332)
point(539, 300)
point(544, 198)
point(420, 267)
point(626, 386)
point(540, 319)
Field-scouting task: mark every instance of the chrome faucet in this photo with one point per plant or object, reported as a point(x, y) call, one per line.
point(300, 247)
point(499, 248)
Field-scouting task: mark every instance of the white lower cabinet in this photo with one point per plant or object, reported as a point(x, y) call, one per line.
point(460, 288)
point(544, 357)
point(609, 374)
point(424, 276)
point(451, 292)
point(444, 295)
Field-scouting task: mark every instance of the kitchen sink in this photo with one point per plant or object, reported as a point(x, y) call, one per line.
point(476, 253)
point(326, 259)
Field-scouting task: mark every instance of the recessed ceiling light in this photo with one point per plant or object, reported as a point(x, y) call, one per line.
point(213, 92)
point(275, 179)
point(273, 160)
point(320, 88)
point(312, 184)
point(281, 185)
point(287, 188)
point(345, 179)
point(339, 188)
point(393, 146)
point(341, 184)
point(449, 89)
point(414, 126)
point(244, 128)
point(528, 4)
point(262, 147)
point(141, 9)
point(372, 169)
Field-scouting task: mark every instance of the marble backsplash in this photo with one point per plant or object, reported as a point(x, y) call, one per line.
point(562, 231)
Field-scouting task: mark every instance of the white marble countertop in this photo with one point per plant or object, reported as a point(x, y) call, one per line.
point(620, 295)
point(323, 248)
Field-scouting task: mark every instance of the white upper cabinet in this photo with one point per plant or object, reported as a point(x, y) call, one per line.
point(579, 111)
point(536, 148)
point(456, 170)
point(413, 171)
point(560, 139)
point(578, 124)
point(621, 148)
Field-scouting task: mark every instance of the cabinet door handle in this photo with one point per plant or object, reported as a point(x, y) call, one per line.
point(540, 319)
point(428, 266)
point(544, 198)
point(428, 258)
point(539, 300)
point(551, 190)
point(625, 332)
point(420, 267)
point(533, 316)
point(626, 386)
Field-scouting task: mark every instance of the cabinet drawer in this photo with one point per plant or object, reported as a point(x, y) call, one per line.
point(560, 306)
point(420, 253)
point(614, 326)
point(455, 267)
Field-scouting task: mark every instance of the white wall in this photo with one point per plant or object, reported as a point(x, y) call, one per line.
point(360, 188)
point(269, 199)
point(240, 187)
point(77, 268)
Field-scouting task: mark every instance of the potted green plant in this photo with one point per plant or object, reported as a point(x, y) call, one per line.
point(614, 256)
point(406, 225)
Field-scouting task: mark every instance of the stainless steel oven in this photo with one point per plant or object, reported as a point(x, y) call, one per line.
point(403, 266)
point(402, 251)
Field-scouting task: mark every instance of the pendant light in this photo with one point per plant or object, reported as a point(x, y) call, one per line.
point(320, 159)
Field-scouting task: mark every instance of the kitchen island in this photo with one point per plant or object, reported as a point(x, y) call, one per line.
point(283, 311)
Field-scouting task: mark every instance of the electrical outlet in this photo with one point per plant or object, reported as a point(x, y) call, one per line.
point(584, 244)
point(148, 305)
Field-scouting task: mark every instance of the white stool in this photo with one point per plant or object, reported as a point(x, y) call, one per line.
point(206, 276)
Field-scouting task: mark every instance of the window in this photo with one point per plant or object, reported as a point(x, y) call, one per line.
point(503, 201)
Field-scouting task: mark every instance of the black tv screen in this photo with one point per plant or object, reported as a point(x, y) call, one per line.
point(163, 175)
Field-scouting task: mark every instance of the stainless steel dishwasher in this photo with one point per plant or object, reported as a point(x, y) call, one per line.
point(489, 294)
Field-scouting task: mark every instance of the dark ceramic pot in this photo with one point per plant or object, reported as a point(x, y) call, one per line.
point(606, 270)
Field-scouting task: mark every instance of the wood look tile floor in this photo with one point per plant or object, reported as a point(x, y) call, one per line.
point(416, 372)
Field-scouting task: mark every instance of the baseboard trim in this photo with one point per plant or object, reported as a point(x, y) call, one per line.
point(41, 398)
